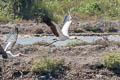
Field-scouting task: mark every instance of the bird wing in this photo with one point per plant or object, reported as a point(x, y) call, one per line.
point(58, 30)
point(3, 53)
point(67, 18)
point(11, 39)
point(61, 35)
point(54, 28)
point(48, 21)
point(66, 27)
point(1, 50)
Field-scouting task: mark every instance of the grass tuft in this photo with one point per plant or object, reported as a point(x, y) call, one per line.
point(76, 43)
point(47, 65)
point(41, 43)
point(112, 60)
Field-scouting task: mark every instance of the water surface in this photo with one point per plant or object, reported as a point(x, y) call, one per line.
point(32, 40)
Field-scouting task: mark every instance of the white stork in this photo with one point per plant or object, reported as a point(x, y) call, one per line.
point(8, 44)
point(60, 34)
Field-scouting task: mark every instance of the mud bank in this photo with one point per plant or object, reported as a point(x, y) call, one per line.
point(82, 62)
point(100, 26)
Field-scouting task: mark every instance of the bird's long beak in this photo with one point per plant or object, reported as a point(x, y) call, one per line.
point(20, 54)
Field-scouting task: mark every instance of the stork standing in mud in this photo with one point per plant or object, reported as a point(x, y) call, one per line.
point(8, 44)
point(60, 34)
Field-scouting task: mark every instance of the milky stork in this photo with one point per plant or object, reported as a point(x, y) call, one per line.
point(8, 44)
point(60, 34)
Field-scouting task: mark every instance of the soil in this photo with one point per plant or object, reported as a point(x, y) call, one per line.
point(82, 62)
point(100, 26)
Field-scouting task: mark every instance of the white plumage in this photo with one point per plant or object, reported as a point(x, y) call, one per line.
point(9, 43)
point(63, 33)
point(66, 28)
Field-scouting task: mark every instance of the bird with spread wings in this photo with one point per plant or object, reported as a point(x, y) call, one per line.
point(8, 44)
point(61, 34)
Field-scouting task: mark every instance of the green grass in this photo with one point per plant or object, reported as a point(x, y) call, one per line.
point(112, 60)
point(83, 9)
point(41, 43)
point(47, 65)
point(4, 19)
point(76, 43)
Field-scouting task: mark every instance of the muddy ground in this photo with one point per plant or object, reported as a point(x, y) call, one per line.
point(83, 62)
point(99, 26)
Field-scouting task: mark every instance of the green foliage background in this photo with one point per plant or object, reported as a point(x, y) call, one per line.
point(56, 9)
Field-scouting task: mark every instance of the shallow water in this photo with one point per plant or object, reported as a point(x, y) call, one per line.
point(31, 40)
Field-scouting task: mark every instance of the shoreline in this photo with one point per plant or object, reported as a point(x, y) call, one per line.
point(71, 34)
point(77, 28)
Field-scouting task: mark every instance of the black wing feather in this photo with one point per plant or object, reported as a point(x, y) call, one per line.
point(3, 53)
point(52, 26)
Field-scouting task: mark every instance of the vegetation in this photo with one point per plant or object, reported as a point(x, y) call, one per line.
point(41, 43)
point(76, 43)
point(112, 60)
point(111, 29)
point(47, 65)
point(92, 28)
point(55, 9)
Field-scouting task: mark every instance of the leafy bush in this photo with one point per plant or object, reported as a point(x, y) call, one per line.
point(4, 19)
point(76, 43)
point(111, 29)
point(85, 9)
point(5, 11)
point(92, 8)
point(55, 9)
point(47, 65)
point(112, 60)
point(92, 28)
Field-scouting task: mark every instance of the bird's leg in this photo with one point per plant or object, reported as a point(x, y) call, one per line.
point(21, 75)
point(35, 77)
point(3, 71)
point(52, 42)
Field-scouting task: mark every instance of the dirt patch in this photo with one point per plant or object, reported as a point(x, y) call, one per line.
point(76, 27)
point(25, 28)
point(81, 62)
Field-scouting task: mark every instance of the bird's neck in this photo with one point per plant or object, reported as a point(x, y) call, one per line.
point(11, 54)
point(7, 46)
point(15, 55)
